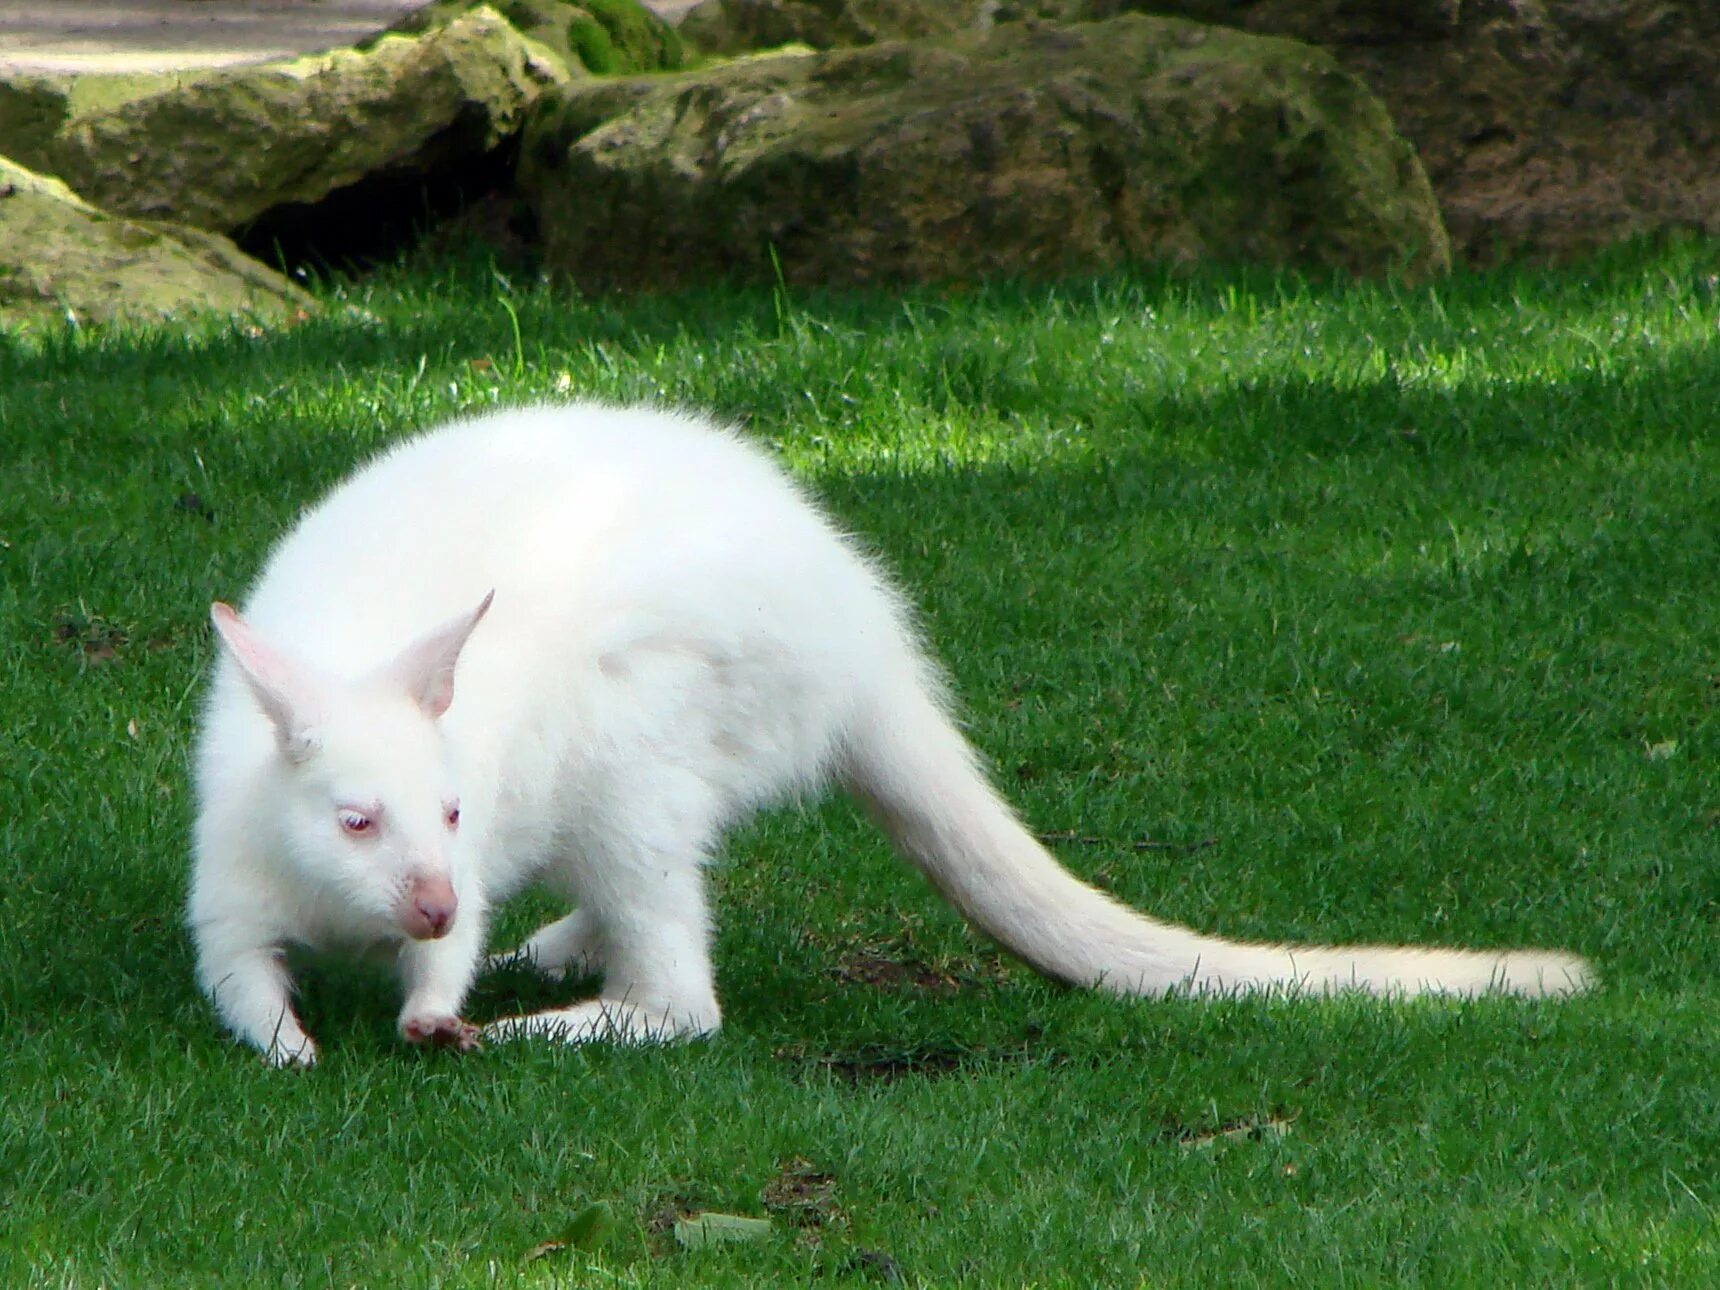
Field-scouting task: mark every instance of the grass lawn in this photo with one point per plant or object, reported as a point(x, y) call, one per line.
point(1292, 609)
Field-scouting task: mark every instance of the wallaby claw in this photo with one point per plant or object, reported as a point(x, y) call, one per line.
point(442, 1032)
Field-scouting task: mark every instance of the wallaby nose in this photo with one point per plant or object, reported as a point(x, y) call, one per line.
point(428, 910)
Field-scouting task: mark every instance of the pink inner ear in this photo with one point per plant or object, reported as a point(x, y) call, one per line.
point(271, 676)
point(439, 696)
point(263, 663)
point(427, 668)
point(433, 687)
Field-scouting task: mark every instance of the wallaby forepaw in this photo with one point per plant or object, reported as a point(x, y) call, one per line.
point(441, 1032)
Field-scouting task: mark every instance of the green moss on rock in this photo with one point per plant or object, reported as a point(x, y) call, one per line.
point(617, 36)
point(220, 152)
point(735, 26)
point(605, 37)
point(32, 110)
point(1022, 150)
point(60, 256)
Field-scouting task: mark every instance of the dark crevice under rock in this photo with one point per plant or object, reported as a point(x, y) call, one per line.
point(386, 214)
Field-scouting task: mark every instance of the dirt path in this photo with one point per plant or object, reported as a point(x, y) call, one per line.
point(165, 35)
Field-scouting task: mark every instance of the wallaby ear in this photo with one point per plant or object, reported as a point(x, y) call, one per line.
point(426, 669)
point(285, 694)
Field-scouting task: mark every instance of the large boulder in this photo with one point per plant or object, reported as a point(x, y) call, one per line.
point(220, 152)
point(36, 106)
point(1023, 150)
point(1547, 127)
point(60, 256)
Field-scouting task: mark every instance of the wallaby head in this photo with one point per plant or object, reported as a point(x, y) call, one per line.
point(363, 789)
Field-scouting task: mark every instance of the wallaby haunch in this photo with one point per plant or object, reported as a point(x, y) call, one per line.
point(647, 632)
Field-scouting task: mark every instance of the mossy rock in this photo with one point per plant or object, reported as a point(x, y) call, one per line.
point(735, 26)
point(61, 258)
point(220, 152)
point(619, 36)
point(32, 111)
point(604, 37)
point(1326, 22)
point(1548, 128)
point(34, 107)
point(1025, 150)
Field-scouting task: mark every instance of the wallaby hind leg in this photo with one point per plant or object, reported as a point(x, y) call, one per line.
point(657, 979)
point(567, 947)
point(640, 878)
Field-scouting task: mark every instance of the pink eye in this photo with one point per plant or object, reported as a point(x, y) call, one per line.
point(356, 822)
point(453, 816)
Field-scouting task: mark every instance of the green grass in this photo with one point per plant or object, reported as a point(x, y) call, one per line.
point(1389, 613)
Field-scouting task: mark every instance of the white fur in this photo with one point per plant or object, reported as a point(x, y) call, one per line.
point(677, 638)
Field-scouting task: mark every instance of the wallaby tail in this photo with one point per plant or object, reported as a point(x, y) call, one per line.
point(915, 771)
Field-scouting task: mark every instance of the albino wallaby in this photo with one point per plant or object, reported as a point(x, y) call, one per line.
point(655, 634)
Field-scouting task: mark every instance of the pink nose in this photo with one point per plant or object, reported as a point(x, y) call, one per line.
point(428, 908)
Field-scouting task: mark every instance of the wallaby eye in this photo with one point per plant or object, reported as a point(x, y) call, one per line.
point(356, 821)
point(451, 814)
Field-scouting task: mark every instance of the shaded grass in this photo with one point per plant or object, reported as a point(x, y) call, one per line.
point(1382, 614)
